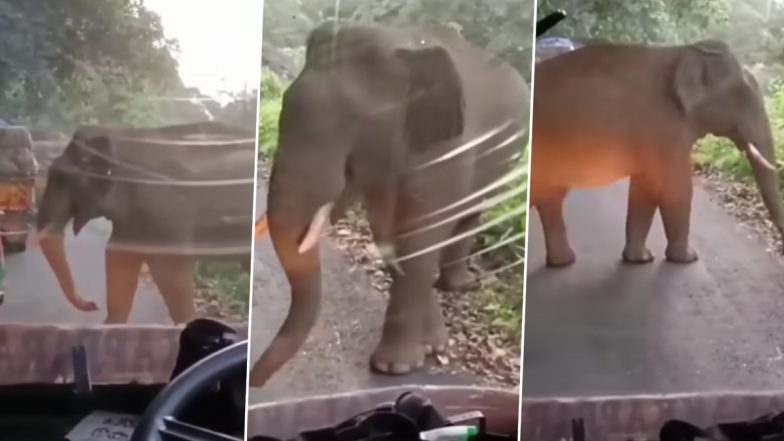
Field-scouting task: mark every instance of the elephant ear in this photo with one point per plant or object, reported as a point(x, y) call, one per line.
point(435, 105)
point(705, 68)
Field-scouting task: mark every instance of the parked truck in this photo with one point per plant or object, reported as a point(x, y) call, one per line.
point(18, 171)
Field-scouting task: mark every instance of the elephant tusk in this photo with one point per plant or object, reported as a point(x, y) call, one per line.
point(320, 219)
point(755, 155)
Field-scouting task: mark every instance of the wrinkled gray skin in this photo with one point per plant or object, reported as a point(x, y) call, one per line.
point(607, 112)
point(370, 109)
point(173, 195)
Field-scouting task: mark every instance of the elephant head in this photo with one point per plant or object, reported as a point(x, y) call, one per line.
point(366, 98)
point(77, 184)
point(721, 97)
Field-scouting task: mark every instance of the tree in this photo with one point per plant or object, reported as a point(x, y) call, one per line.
point(643, 21)
point(503, 26)
point(81, 61)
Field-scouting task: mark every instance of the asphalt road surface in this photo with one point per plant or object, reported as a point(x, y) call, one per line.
point(601, 327)
point(335, 357)
point(33, 295)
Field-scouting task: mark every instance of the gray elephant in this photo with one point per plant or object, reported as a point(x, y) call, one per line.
point(173, 195)
point(421, 124)
point(607, 112)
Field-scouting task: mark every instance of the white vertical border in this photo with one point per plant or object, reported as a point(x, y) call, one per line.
point(527, 221)
point(255, 217)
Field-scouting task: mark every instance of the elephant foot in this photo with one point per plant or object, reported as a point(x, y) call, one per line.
point(435, 342)
point(457, 281)
point(681, 254)
point(435, 335)
point(397, 358)
point(561, 259)
point(640, 255)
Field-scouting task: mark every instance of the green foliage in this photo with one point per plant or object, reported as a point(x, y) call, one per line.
point(228, 283)
point(502, 26)
point(271, 93)
point(84, 61)
point(643, 21)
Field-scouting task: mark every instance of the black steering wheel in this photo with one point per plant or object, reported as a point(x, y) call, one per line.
point(159, 421)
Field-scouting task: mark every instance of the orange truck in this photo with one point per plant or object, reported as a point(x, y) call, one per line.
point(18, 170)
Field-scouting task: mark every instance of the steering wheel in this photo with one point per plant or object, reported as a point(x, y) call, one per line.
point(159, 421)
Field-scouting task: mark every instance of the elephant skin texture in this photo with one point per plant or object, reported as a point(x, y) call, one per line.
point(607, 112)
point(420, 125)
point(173, 194)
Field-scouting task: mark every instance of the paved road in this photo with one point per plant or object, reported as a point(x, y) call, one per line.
point(601, 327)
point(33, 295)
point(335, 358)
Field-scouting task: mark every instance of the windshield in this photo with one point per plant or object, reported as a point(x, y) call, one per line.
point(367, 111)
point(654, 260)
point(127, 152)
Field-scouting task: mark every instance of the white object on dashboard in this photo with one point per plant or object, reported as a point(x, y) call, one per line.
point(103, 426)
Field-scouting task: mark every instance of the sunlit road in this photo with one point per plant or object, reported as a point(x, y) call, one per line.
point(335, 358)
point(601, 327)
point(33, 295)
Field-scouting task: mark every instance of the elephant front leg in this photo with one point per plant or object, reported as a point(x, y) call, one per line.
point(174, 277)
point(643, 201)
point(122, 279)
point(454, 274)
point(413, 321)
point(676, 213)
point(556, 240)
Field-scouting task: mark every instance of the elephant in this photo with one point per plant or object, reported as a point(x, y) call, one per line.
point(173, 194)
point(419, 125)
point(605, 112)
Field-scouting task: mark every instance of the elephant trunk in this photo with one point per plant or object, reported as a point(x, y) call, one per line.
point(53, 248)
point(296, 244)
point(53, 214)
point(762, 159)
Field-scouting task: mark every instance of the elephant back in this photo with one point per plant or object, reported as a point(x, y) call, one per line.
point(183, 189)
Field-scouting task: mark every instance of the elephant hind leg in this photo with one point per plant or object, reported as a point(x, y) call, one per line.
point(454, 272)
point(675, 209)
point(122, 279)
point(174, 277)
point(643, 201)
point(549, 204)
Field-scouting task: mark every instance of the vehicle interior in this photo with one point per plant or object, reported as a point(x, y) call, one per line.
point(205, 399)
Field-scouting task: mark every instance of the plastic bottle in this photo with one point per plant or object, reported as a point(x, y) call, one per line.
point(450, 433)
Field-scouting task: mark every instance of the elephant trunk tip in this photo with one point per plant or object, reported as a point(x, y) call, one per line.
point(274, 357)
